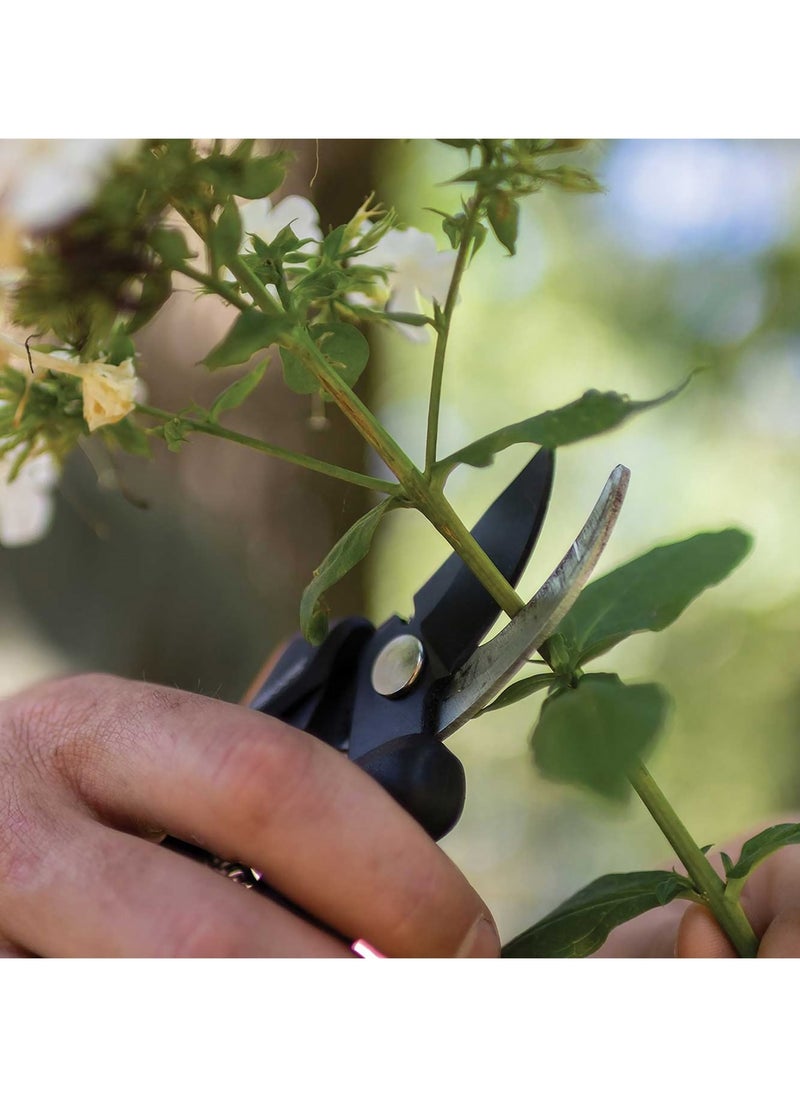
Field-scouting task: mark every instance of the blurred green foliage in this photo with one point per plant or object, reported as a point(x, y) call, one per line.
point(690, 259)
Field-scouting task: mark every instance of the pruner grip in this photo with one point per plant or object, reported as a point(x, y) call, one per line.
point(313, 689)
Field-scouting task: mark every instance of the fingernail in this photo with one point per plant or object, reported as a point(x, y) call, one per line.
point(481, 942)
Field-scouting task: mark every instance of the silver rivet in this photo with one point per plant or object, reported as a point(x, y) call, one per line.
point(398, 666)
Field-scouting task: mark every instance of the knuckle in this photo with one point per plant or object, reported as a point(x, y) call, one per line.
point(208, 937)
point(267, 775)
point(40, 720)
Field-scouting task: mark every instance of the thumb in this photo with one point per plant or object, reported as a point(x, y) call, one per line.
point(700, 937)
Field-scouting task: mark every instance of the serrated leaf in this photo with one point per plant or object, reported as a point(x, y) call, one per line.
point(581, 925)
point(227, 234)
point(503, 212)
point(251, 331)
point(762, 845)
point(594, 413)
point(590, 736)
point(345, 554)
point(519, 690)
point(650, 592)
point(342, 344)
point(235, 394)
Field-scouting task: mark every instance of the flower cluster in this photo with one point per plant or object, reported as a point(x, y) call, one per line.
point(413, 266)
point(88, 248)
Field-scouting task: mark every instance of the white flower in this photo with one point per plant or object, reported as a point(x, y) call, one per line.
point(415, 269)
point(26, 505)
point(43, 183)
point(261, 218)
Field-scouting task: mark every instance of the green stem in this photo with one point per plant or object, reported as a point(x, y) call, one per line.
point(222, 289)
point(443, 517)
point(728, 911)
point(300, 459)
point(257, 290)
point(393, 455)
point(434, 403)
point(431, 502)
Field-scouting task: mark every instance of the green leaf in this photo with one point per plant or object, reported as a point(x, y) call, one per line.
point(414, 319)
point(727, 863)
point(503, 214)
point(519, 690)
point(332, 244)
point(592, 735)
point(342, 344)
point(581, 925)
point(251, 331)
point(175, 433)
point(120, 347)
point(594, 413)
point(260, 176)
point(458, 142)
point(171, 245)
point(762, 845)
point(156, 290)
point(227, 234)
point(128, 437)
point(479, 236)
point(650, 592)
point(572, 178)
point(235, 394)
point(345, 554)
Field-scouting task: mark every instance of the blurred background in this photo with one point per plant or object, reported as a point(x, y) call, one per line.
point(691, 258)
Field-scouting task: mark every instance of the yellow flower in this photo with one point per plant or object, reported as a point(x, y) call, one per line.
point(109, 391)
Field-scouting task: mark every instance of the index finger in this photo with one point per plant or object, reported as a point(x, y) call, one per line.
point(249, 788)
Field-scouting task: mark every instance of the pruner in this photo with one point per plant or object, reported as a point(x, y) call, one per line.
point(389, 696)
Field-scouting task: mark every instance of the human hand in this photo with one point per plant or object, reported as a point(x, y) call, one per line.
point(95, 770)
point(770, 898)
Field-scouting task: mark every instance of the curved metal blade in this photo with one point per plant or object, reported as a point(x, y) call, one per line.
point(452, 611)
point(496, 662)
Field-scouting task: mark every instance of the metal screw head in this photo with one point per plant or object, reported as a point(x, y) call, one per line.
point(398, 666)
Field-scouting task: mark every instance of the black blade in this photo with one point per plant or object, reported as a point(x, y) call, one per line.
point(452, 611)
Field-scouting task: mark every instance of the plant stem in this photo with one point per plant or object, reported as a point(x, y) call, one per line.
point(245, 276)
point(217, 285)
point(728, 911)
point(443, 332)
point(435, 507)
point(431, 502)
point(393, 455)
point(217, 431)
